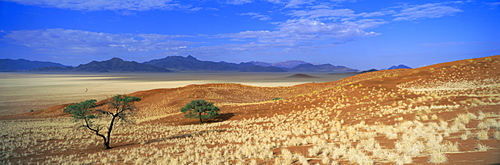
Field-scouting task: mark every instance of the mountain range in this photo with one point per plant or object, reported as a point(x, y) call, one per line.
point(189, 63)
point(174, 63)
point(112, 65)
point(22, 64)
point(401, 66)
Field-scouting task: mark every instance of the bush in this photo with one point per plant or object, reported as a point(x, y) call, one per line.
point(200, 109)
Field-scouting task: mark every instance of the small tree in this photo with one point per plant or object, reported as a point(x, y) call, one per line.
point(119, 107)
point(200, 109)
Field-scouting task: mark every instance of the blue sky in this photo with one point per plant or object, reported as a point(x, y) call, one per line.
point(361, 34)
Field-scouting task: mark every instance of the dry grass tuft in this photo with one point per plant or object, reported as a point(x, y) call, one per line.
point(437, 157)
point(482, 135)
point(482, 147)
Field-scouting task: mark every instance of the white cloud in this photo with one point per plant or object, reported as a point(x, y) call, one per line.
point(312, 29)
point(78, 41)
point(377, 13)
point(319, 13)
point(311, 32)
point(493, 5)
point(238, 2)
point(96, 5)
point(295, 3)
point(430, 10)
point(257, 16)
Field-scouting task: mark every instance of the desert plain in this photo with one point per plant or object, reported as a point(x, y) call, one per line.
point(439, 114)
point(25, 91)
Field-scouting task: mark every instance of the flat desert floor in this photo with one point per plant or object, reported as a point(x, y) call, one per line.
point(21, 92)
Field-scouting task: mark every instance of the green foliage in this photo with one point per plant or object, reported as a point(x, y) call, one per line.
point(82, 110)
point(119, 108)
point(125, 99)
point(277, 98)
point(122, 107)
point(200, 109)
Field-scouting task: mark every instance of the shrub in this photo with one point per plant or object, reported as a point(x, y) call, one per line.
point(200, 109)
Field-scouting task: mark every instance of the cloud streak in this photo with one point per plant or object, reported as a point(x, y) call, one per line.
point(430, 10)
point(257, 16)
point(114, 5)
point(78, 41)
point(306, 31)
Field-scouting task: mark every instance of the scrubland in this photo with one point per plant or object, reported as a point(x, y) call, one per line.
point(446, 113)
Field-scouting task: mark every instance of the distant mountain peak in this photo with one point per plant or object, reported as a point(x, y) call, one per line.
point(400, 66)
point(190, 63)
point(118, 65)
point(115, 59)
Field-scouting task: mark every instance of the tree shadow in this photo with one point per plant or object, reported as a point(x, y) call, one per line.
point(183, 136)
point(222, 117)
point(163, 139)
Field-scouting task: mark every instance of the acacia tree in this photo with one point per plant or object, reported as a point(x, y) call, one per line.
point(119, 107)
point(200, 109)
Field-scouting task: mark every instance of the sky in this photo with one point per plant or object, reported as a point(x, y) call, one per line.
point(360, 34)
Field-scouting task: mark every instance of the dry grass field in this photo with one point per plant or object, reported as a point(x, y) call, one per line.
point(441, 114)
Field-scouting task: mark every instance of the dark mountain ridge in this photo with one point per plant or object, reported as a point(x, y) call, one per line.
point(118, 65)
point(189, 63)
point(22, 64)
point(112, 65)
point(172, 63)
point(401, 66)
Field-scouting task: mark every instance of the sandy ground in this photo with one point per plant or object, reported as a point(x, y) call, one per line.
point(22, 92)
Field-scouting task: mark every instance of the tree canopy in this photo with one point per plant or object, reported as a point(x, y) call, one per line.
point(200, 109)
point(119, 107)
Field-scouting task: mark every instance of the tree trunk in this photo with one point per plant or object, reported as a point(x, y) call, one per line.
point(106, 143)
point(96, 131)
point(199, 115)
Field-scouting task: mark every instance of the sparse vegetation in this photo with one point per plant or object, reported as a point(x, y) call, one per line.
point(482, 147)
point(119, 107)
point(200, 109)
